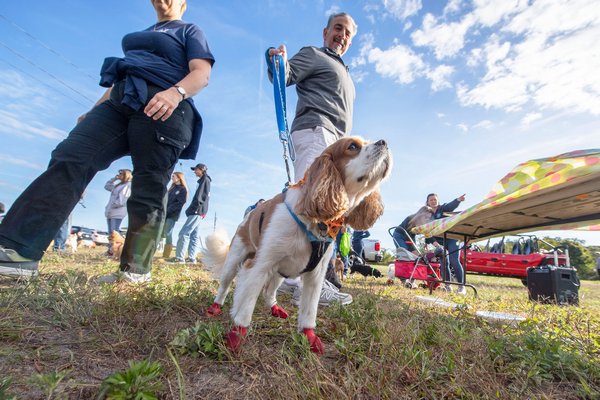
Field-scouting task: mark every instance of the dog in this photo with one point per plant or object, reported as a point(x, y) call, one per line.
point(72, 242)
point(116, 240)
point(290, 235)
point(339, 267)
point(365, 270)
point(87, 244)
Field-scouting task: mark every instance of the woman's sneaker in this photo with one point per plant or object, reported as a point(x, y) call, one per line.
point(14, 264)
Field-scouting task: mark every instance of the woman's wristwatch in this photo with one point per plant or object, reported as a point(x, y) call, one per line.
point(181, 91)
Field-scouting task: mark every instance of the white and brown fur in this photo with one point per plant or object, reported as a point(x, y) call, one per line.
point(117, 241)
point(341, 183)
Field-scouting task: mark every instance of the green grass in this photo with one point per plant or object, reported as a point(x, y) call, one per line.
point(63, 335)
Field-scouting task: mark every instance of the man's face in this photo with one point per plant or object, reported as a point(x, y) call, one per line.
point(338, 36)
point(199, 172)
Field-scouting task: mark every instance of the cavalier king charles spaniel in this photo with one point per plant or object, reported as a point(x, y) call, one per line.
point(290, 235)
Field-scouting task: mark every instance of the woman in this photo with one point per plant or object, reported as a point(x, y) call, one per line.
point(453, 259)
point(147, 112)
point(177, 198)
point(116, 209)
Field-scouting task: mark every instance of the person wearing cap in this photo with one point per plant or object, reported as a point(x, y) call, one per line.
point(188, 240)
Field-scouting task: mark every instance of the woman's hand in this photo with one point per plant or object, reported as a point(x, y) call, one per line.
point(163, 104)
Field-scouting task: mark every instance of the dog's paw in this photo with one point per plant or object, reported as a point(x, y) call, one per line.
point(213, 310)
point(316, 346)
point(235, 337)
point(277, 311)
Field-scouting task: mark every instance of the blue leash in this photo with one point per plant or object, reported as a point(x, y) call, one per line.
point(278, 68)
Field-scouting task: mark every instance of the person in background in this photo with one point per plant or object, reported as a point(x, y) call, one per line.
point(453, 259)
point(598, 263)
point(323, 113)
point(147, 113)
point(60, 239)
point(188, 235)
point(357, 241)
point(116, 209)
point(177, 197)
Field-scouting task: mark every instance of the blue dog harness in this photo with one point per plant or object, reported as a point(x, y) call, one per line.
point(319, 245)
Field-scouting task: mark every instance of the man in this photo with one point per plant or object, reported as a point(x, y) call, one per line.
point(598, 263)
point(324, 110)
point(188, 236)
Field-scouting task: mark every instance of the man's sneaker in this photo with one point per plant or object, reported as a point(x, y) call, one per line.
point(125, 277)
point(462, 290)
point(175, 260)
point(14, 264)
point(190, 260)
point(330, 294)
point(286, 288)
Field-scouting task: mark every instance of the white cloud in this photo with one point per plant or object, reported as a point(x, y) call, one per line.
point(19, 162)
point(484, 124)
point(440, 77)
point(529, 118)
point(463, 127)
point(402, 9)
point(452, 6)
point(332, 10)
point(446, 39)
point(440, 115)
point(553, 64)
point(398, 62)
point(15, 124)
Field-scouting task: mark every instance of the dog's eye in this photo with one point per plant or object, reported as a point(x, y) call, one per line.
point(353, 146)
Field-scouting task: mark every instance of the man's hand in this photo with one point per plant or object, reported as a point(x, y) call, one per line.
point(202, 216)
point(461, 198)
point(280, 51)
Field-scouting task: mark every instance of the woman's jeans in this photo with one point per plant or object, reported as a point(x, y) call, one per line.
point(452, 261)
point(168, 230)
point(110, 131)
point(188, 239)
point(114, 224)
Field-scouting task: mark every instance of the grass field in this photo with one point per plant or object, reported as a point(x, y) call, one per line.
point(64, 336)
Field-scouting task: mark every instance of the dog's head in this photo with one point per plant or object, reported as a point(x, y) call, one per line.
point(344, 181)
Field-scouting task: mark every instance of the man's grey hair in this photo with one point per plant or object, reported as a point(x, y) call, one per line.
point(343, 14)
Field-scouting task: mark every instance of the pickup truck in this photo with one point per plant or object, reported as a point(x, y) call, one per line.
point(371, 250)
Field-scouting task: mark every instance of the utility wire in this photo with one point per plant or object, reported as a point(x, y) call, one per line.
point(44, 83)
point(50, 49)
point(46, 72)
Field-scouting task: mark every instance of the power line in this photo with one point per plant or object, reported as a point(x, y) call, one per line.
point(46, 72)
point(50, 49)
point(44, 83)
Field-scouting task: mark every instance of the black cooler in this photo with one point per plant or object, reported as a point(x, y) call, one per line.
point(550, 284)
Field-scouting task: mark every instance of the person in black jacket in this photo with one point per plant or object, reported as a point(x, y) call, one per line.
point(188, 236)
point(176, 199)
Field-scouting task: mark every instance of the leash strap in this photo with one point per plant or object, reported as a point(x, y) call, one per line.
point(278, 68)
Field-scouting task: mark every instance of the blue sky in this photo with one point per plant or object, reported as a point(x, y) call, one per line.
point(462, 90)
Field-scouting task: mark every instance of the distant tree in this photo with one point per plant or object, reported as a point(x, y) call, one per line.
point(581, 256)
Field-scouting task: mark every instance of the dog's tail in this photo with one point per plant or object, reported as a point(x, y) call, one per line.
point(215, 252)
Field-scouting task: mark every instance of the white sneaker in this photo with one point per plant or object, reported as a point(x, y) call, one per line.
point(331, 294)
point(125, 276)
point(462, 290)
point(286, 288)
point(446, 288)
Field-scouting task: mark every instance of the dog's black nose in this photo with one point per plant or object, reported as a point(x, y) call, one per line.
point(381, 142)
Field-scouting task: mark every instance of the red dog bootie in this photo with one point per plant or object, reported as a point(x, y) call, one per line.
point(277, 311)
point(234, 338)
point(213, 310)
point(315, 343)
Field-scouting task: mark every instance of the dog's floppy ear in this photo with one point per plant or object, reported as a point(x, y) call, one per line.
point(364, 215)
point(325, 196)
